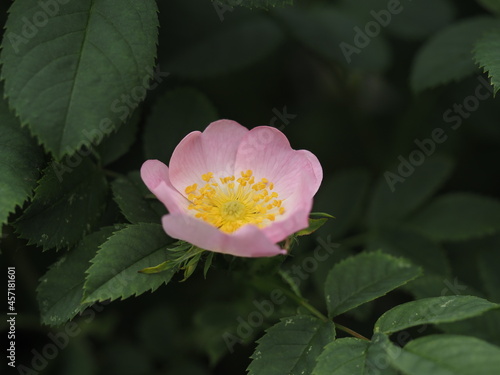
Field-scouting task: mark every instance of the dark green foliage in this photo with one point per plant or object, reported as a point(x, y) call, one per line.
point(397, 272)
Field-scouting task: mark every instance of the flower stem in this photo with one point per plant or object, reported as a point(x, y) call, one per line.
point(302, 302)
point(351, 332)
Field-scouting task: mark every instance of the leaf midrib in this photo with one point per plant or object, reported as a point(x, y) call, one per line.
point(77, 70)
point(87, 294)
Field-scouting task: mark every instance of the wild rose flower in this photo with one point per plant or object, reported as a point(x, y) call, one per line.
point(235, 191)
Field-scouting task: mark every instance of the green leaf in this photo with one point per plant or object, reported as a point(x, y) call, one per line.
point(61, 288)
point(343, 356)
point(487, 55)
point(492, 5)
point(391, 202)
point(230, 49)
point(331, 33)
point(413, 246)
point(264, 4)
point(448, 355)
point(365, 277)
point(20, 160)
point(115, 269)
point(117, 144)
point(67, 204)
point(173, 116)
point(314, 225)
point(351, 356)
point(458, 216)
point(344, 196)
point(130, 194)
point(432, 310)
point(447, 56)
point(291, 346)
point(79, 76)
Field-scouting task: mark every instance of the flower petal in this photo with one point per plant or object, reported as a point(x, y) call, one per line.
point(248, 241)
point(214, 151)
point(316, 169)
point(155, 175)
point(293, 222)
point(267, 152)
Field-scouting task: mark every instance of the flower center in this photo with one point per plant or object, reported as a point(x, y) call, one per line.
point(233, 210)
point(234, 202)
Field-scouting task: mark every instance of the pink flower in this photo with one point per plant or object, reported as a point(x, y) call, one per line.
point(234, 190)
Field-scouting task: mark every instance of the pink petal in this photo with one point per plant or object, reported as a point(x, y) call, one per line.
point(248, 241)
point(291, 223)
point(267, 152)
point(155, 175)
point(316, 169)
point(214, 151)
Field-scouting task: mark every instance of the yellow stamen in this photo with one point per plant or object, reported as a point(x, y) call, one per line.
point(235, 202)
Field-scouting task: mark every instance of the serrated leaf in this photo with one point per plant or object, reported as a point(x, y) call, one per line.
point(66, 205)
point(448, 355)
point(344, 196)
point(115, 269)
point(343, 356)
point(363, 278)
point(230, 49)
point(487, 55)
point(174, 115)
point(20, 160)
point(421, 251)
point(61, 288)
point(447, 56)
point(291, 346)
point(352, 356)
point(391, 201)
point(75, 75)
point(117, 144)
point(331, 33)
point(458, 216)
point(130, 194)
point(263, 4)
point(432, 310)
